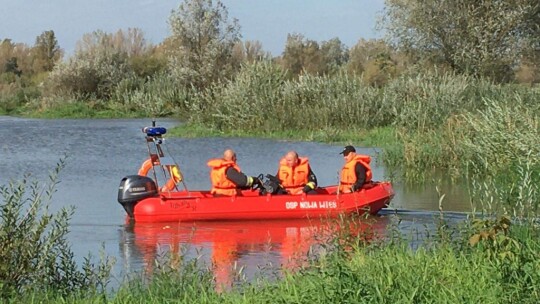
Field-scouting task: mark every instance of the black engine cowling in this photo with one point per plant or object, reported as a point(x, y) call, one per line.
point(134, 188)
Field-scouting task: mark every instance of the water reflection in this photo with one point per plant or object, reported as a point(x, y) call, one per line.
point(225, 247)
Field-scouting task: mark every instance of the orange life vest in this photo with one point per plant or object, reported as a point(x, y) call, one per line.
point(295, 178)
point(348, 175)
point(220, 183)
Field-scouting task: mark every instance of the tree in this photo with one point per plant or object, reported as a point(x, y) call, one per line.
point(374, 60)
point(335, 55)
point(131, 42)
point(363, 52)
point(249, 52)
point(148, 64)
point(302, 55)
point(46, 52)
point(482, 38)
point(202, 42)
point(293, 55)
point(6, 55)
point(14, 58)
point(312, 58)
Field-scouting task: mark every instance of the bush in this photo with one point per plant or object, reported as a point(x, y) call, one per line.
point(158, 95)
point(35, 255)
point(89, 74)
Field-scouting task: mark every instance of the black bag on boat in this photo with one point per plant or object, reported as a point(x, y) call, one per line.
point(271, 185)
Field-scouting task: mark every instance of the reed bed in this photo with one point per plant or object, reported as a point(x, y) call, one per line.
point(438, 121)
point(488, 141)
point(261, 96)
point(155, 97)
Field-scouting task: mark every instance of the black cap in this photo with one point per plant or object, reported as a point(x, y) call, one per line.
point(347, 150)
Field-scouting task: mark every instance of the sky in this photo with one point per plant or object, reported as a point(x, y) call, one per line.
point(268, 21)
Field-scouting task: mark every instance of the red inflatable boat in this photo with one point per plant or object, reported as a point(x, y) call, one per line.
point(144, 201)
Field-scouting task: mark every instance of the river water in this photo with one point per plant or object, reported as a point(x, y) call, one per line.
point(98, 153)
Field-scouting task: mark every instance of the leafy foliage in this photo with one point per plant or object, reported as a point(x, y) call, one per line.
point(483, 38)
point(35, 255)
point(100, 63)
point(201, 43)
point(46, 52)
point(306, 56)
point(158, 95)
point(248, 52)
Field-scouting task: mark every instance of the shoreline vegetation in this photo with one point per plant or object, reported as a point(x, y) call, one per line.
point(484, 133)
point(487, 258)
point(443, 95)
point(424, 122)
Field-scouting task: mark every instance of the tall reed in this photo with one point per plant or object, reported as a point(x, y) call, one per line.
point(491, 140)
point(261, 96)
point(440, 121)
point(156, 96)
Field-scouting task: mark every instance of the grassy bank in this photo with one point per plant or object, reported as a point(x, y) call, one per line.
point(377, 137)
point(79, 109)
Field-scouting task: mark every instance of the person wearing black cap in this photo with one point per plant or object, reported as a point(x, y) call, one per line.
point(356, 171)
point(227, 178)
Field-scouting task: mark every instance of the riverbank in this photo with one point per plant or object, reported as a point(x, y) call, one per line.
point(377, 137)
point(476, 131)
point(426, 123)
point(75, 110)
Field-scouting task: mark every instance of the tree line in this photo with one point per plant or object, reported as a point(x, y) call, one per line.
point(497, 40)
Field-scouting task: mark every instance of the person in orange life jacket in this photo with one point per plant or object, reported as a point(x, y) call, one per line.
point(295, 174)
point(356, 171)
point(227, 178)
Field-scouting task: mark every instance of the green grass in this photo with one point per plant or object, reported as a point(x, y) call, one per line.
point(80, 110)
point(504, 268)
point(378, 137)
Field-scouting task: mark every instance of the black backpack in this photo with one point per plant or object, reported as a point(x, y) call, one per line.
point(271, 185)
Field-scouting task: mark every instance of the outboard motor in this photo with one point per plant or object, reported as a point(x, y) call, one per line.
point(134, 188)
